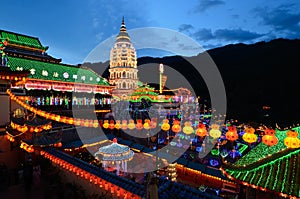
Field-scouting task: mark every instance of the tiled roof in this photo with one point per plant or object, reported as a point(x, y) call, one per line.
point(55, 72)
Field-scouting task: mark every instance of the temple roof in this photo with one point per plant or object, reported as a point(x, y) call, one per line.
point(21, 40)
point(123, 35)
point(55, 72)
point(275, 168)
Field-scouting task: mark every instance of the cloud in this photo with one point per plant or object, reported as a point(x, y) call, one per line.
point(207, 4)
point(185, 27)
point(233, 35)
point(281, 19)
point(203, 34)
point(236, 35)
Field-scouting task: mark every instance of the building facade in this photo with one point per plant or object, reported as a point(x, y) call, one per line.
point(123, 65)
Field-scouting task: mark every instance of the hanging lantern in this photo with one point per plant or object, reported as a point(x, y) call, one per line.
point(249, 135)
point(232, 134)
point(214, 131)
point(176, 128)
point(105, 124)
point(139, 124)
point(165, 125)
point(124, 125)
point(147, 124)
point(201, 130)
point(111, 125)
point(95, 124)
point(269, 140)
point(292, 133)
point(269, 131)
point(118, 124)
point(188, 129)
point(292, 140)
point(131, 124)
point(153, 123)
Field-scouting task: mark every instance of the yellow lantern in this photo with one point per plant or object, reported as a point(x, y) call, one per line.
point(165, 125)
point(291, 142)
point(124, 125)
point(215, 132)
point(95, 124)
point(131, 125)
point(188, 129)
point(147, 124)
point(250, 137)
point(105, 124)
point(118, 124)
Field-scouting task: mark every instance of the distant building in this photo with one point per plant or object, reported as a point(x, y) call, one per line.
point(123, 65)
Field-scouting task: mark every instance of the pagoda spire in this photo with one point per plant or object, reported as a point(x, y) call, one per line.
point(123, 27)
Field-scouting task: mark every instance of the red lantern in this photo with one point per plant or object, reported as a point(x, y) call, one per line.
point(232, 134)
point(269, 140)
point(269, 131)
point(292, 133)
point(111, 125)
point(139, 124)
point(201, 130)
point(176, 128)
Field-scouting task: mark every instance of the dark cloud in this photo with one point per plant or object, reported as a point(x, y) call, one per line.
point(203, 34)
point(282, 19)
point(185, 27)
point(236, 35)
point(233, 35)
point(207, 4)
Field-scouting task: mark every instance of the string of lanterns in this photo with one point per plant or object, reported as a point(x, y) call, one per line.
point(292, 141)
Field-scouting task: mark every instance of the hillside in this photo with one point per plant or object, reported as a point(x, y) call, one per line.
point(255, 75)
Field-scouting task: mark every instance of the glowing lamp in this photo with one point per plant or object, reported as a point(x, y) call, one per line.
point(139, 125)
point(131, 125)
point(250, 137)
point(214, 132)
point(201, 130)
point(292, 142)
point(176, 128)
point(153, 123)
point(105, 124)
point(269, 140)
point(118, 124)
point(232, 134)
point(147, 124)
point(111, 125)
point(165, 125)
point(124, 125)
point(188, 129)
point(292, 133)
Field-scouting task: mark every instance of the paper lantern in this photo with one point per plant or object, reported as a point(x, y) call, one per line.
point(269, 131)
point(250, 137)
point(292, 142)
point(105, 124)
point(118, 124)
point(269, 140)
point(95, 124)
point(176, 128)
point(201, 130)
point(292, 133)
point(131, 125)
point(232, 134)
point(165, 125)
point(214, 131)
point(111, 125)
point(188, 129)
point(124, 125)
point(153, 123)
point(147, 124)
point(139, 124)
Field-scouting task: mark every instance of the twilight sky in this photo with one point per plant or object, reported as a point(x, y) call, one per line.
point(73, 28)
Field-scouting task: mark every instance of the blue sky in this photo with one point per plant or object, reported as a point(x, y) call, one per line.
point(73, 28)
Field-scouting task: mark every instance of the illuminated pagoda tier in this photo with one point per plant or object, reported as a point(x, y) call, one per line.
point(274, 169)
point(114, 155)
point(123, 65)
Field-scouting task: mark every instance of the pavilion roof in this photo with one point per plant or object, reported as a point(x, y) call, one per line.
point(56, 72)
point(22, 40)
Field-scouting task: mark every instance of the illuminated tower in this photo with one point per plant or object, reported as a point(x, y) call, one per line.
point(123, 64)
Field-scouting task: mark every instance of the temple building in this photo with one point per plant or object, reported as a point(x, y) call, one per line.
point(123, 65)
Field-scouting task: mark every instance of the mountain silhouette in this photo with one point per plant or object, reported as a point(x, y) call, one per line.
point(261, 80)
